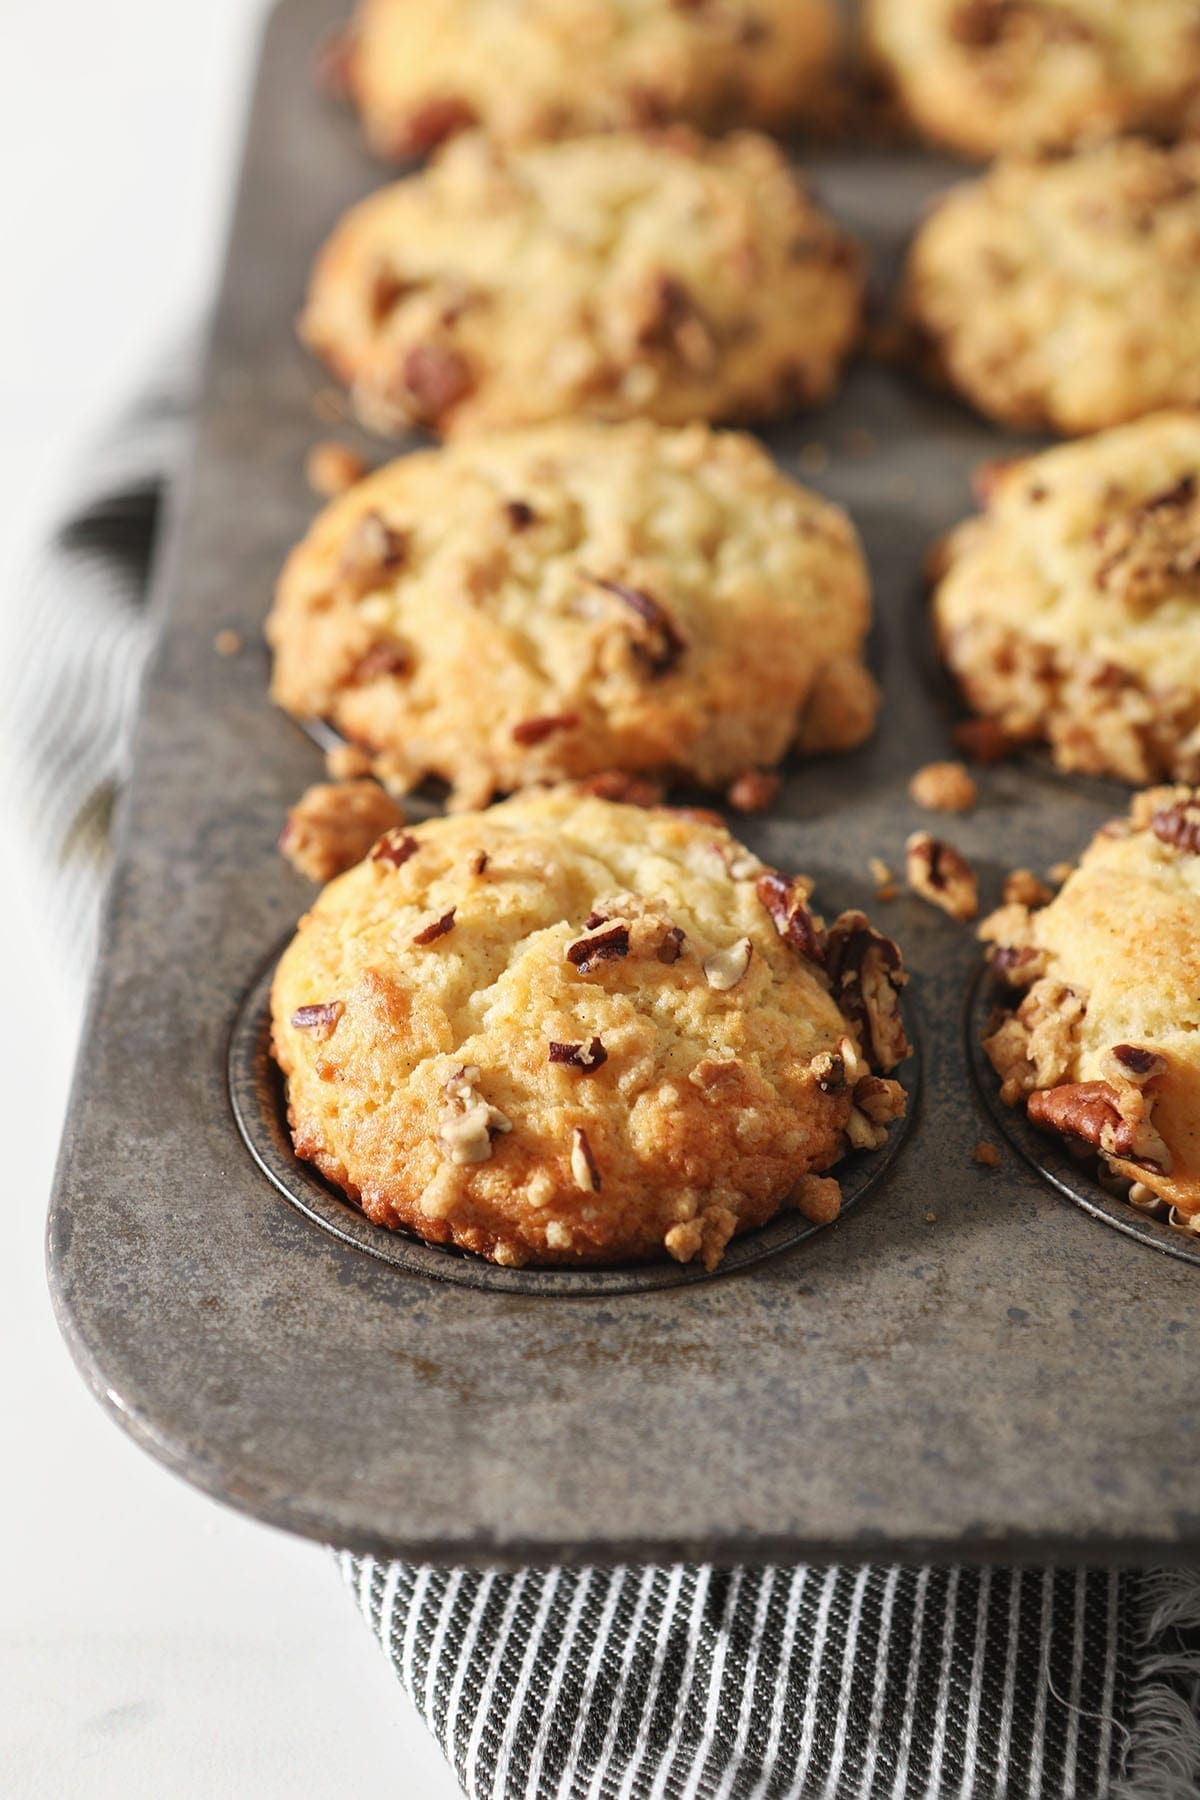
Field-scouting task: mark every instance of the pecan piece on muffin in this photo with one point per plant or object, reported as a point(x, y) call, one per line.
point(566, 1074)
point(1100, 1039)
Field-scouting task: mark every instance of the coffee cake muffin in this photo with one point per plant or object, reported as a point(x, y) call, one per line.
point(1069, 611)
point(635, 274)
point(1066, 294)
point(529, 70)
point(987, 77)
point(567, 1031)
point(575, 599)
point(1103, 1046)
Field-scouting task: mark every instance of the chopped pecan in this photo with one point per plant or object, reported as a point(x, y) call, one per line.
point(1136, 1064)
point(1090, 1111)
point(671, 947)
point(674, 322)
point(660, 643)
point(322, 1017)
point(579, 1056)
point(478, 862)
point(866, 972)
point(520, 514)
point(436, 928)
point(333, 825)
point(436, 379)
point(373, 548)
point(1179, 826)
point(725, 968)
point(605, 942)
point(535, 731)
point(583, 1163)
point(1154, 550)
point(466, 1136)
point(395, 850)
point(390, 658)
point(941, 874)
point(828, 1070)
point(625, 790)
point(753, 791)
point(786, 901)
point(1019, 965)
point(431, 123)
point(881, 1100)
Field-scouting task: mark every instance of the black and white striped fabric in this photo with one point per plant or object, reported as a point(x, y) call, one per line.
point(675, 1683)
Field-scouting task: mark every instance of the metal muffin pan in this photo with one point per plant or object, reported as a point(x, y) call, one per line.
point(963, 1366)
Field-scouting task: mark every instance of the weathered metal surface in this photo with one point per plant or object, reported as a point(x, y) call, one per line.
point(965, 1366)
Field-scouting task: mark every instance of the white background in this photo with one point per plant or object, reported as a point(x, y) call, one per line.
point(151, 1644)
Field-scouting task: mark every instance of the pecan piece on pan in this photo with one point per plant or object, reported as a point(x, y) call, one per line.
point(786, 901)
point(942, 875)
point(866, 972)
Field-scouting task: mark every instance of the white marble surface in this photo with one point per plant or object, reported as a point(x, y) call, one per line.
point(151, 1644)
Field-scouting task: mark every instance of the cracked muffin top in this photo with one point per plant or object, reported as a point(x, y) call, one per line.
point(1104, 1045)
point(1066, 293)
point(1070, 609)
point(637, 274)
point(993, 76)
point(569, 1031)
point(524, 70)
point(577, 599)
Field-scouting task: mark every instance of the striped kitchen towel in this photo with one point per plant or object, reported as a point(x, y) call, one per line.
point(777, 1683)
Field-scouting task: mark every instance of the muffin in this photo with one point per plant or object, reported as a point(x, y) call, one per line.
point(1103, 1045)
point(575, 599)
point(1069, 610)
point(636, 274)
point(1066, 294)
point(524, 72)
point(992, 77)
point(567, 1031)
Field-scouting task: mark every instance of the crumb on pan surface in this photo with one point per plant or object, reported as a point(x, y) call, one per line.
point(577, 600)
point(1069, 610)
point(334, 824)
point(1102, 1042)
point(943, 787)
point(651, 275)
point(1016, 281)
point(992, 76)
point(420, 73)
point(632, 1039)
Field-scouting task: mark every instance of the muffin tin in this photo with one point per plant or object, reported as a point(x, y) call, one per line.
point(965, 1365)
